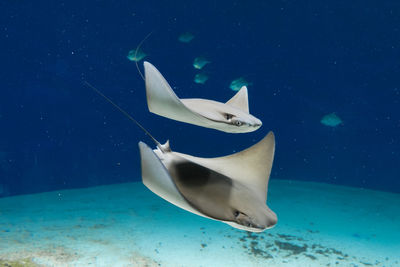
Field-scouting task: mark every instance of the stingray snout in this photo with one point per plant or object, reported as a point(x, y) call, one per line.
point(272, 220)
point(256, 123)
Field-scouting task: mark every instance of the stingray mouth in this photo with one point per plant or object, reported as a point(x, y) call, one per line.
point(252, 228)
point(255, 226)
point(250, 223)
point(246, 221)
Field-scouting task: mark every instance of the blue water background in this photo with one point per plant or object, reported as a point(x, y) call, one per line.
point(304, 60)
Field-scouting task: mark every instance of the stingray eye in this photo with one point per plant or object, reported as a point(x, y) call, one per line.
point(236, 213)
point(238, 123)
point(228, 116)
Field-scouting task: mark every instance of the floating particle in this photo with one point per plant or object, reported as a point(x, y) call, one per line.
point(136, 56)
point(331, 120)
point(200, 78)
point(238, 83)
point(200, 62)
point(186, 37)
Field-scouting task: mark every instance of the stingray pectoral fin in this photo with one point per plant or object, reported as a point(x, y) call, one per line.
point(162, 100)
point(250, 167)
point(240, 100)
point(156, 178)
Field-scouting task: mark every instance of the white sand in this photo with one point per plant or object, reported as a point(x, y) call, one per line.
point(127, 225)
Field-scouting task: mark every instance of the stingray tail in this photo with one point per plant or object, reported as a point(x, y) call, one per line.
point(126, 115)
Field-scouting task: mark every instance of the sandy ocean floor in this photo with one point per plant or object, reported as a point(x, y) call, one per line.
point(127, 225)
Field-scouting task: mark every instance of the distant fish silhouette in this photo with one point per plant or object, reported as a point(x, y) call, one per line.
point(200, 78)
point(237, 84)
point(136, 55)
point(186, 37)
point(331, 120)
point(200, 62)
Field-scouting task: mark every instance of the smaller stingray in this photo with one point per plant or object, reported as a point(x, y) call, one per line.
point(231, 189)
point(200, 62)
point(232, 116)
point(200, 78)
point(331, 120)
point(186, 37)
point(237, 84)
point(136, 55)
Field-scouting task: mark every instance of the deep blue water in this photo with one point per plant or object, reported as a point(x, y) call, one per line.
point(304, 60)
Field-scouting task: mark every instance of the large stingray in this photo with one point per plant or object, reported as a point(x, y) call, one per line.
point(231, 189)
point(232, 116)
